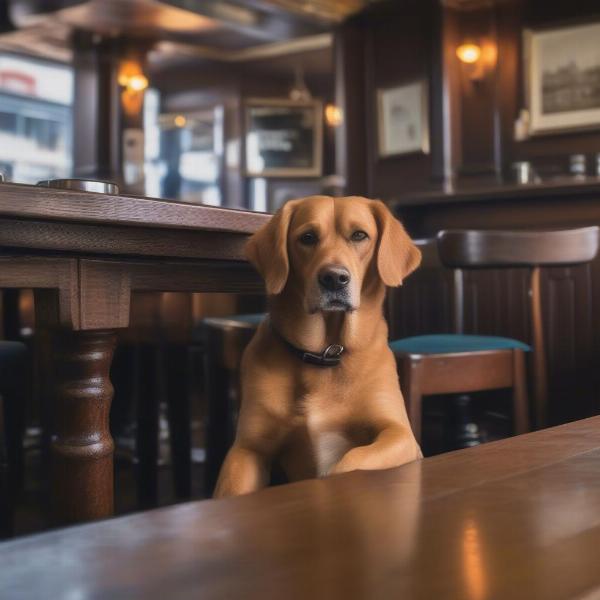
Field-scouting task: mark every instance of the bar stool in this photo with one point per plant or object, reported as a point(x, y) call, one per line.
point(460, 363)
point(224, 340)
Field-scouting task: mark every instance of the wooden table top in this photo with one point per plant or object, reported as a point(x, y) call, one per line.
point(513, 519)
point(33, 202)
point(41, 220)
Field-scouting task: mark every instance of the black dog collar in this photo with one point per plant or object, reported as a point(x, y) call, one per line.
point(330, 357)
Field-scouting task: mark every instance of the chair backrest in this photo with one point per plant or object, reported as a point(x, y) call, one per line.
point(430, 255)
point(466, 248)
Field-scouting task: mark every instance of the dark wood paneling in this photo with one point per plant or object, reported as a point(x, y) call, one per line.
point(350, 96)
point(391, 44)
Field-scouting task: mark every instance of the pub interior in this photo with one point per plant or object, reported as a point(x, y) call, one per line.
point(142, 142)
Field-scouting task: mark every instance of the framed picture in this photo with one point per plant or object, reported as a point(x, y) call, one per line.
point(562, 68)
point(283, 138)
point(403, 119)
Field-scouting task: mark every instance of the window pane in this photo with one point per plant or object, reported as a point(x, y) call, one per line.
point(35, 119)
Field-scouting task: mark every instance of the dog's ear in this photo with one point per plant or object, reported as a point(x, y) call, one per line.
point(397, 256)
point(267, 249)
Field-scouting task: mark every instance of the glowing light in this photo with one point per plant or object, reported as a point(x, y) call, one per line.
point(180, 121)
point(468, 53)
point(131, 77)
point(333, 115)
point(137, 83)
point(473, 562)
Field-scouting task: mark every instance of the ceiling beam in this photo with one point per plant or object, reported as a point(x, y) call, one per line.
point(250, 19)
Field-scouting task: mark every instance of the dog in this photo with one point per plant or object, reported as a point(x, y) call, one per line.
point(319, 387)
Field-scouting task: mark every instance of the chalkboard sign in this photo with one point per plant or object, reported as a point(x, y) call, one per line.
point(283, 138)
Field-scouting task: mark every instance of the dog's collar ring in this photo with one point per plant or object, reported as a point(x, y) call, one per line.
point(333, 351)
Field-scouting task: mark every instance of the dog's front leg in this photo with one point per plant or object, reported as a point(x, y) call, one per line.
point(394, 446)
point(243, 471)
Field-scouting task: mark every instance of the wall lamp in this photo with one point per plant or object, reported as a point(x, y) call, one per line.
point(131, 77)
point(133, 83)
point(474, 58)
point(469, 53)
point(334, 116)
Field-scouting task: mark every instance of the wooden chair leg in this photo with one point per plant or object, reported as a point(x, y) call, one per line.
point(6, 495)
point(147, 426)
point(519, 391)
point(219, 425)
point(410, 383)
point(178, 403)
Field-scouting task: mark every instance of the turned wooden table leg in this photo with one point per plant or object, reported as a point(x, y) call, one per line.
point(81, 445)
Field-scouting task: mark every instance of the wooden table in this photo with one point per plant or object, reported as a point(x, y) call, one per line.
point(513, 519)
point(84, 254)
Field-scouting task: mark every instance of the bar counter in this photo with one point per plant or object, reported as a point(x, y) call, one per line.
point(516, 519)
point(564, 187)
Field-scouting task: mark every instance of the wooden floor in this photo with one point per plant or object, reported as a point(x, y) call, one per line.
point(519, 518)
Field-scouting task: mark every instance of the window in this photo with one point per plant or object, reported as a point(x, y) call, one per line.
point(35, 119)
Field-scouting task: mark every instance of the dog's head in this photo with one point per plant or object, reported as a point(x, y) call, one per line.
point(327, 250)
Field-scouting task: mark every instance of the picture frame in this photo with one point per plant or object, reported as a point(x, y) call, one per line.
point(562, 78)
point(403, 119)
point(283, 138)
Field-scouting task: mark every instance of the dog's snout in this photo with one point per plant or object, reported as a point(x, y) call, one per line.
point(334, 278)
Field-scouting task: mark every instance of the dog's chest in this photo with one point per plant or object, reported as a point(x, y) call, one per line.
point(317, 436)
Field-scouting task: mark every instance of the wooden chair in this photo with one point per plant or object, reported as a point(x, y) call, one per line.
point(459, 363)
point(223, 340)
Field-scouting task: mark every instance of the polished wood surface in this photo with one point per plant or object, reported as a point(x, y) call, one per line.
point(33, 202)
point(84, 255)
point(512, 519)
point(82, 447)
point(472, 248)
point(563, 188)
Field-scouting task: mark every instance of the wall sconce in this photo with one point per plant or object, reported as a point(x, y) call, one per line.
point(469, 53)
point(334, 116)
point(137, 82)
point(133, 83)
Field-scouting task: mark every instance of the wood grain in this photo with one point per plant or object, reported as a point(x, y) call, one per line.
point(81, 446)
point(121, 240)
point(85, 207)
point(58, 275)
point(512, 519)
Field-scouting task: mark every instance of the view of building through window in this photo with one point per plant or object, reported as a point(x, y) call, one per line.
point(35, 119)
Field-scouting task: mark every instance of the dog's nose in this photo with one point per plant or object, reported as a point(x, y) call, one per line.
point(334, 278)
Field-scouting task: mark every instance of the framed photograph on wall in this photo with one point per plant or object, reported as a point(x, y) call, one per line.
point(562, 78)
point(283, 138)
point(403, 119)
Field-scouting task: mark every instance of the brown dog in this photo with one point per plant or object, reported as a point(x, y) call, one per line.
point(326, 262)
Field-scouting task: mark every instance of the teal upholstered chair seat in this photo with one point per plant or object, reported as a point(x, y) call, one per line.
point(248, 321)
point(251, 319)
point(455, 344)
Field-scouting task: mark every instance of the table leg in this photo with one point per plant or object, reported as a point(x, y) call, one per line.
point(81, 446)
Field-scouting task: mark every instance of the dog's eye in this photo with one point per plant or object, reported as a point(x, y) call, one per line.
point(309, 238)
point(359, 236)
